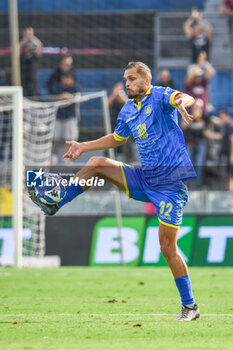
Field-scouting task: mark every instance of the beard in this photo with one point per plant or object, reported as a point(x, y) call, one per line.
point(140, 91)
point(132, 95)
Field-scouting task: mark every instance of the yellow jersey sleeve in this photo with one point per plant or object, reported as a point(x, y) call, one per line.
point(172, 98)
point(119, 138)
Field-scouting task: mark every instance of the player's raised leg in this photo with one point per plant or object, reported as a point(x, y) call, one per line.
point(96, 166)
point(169, 249)
point(101, 166)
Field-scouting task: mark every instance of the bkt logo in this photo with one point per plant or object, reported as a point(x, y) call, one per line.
point(35, 178)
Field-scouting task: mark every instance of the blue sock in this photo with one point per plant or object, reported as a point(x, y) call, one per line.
point(185, 289)
point(72, 191)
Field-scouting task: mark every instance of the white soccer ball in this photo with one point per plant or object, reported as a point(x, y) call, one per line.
point(53, 190)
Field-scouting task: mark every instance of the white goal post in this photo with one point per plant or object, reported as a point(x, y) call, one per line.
point(16, 93)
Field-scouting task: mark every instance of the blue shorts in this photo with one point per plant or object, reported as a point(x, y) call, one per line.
point(169, 199)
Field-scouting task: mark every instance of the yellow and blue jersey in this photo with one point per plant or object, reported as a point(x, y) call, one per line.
point(153, 122)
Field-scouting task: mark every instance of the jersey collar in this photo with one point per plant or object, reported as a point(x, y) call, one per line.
point(139, 104)
point(149, 90)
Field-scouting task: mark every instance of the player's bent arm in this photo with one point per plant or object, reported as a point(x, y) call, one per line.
point(76, 149)
point(104, 142)
point(186, 99)
point(181, 102)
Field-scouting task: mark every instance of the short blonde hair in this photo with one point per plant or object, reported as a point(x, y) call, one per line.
point(141, 67)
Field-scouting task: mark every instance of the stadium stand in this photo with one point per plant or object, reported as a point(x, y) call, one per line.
point(101, 5)
point(102, 45)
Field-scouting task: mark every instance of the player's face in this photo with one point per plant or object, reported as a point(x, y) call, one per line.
point(136, 84)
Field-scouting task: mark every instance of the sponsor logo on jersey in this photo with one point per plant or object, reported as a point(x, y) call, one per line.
point(142, 133)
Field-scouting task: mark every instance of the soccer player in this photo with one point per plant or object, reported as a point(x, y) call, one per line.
point(151, 116)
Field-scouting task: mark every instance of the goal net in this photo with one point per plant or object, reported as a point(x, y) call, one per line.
point(28, 149)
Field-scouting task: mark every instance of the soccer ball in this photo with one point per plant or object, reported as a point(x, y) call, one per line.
point(53, 190)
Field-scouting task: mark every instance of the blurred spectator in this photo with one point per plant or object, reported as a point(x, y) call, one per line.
point(195, 139)
point(198, 77)
point(66, 127)
point(116, 101)
point(226, 139)
point(164, 79)
point(5, 77)
point(199, 33)
point(226, 9)
point(149, 208)
point(65, 66)
point(30, 50)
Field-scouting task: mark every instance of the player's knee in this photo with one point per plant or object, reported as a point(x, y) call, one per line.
point(96, 162)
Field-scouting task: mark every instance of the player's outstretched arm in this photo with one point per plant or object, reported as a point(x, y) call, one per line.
point(76, 149)
point(181, 102)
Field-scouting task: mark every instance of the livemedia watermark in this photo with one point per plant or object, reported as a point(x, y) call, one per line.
point(38, 178)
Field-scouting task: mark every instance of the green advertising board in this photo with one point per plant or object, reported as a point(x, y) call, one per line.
point(7, 237)
point(106, 242)
point(151, 250)
point(202, 241)
point(140, 242)
point(214, 242)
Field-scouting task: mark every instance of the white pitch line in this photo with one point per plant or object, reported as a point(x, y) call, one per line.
point(110, 315)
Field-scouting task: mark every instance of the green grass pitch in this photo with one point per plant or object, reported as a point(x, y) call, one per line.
point(112, 308)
